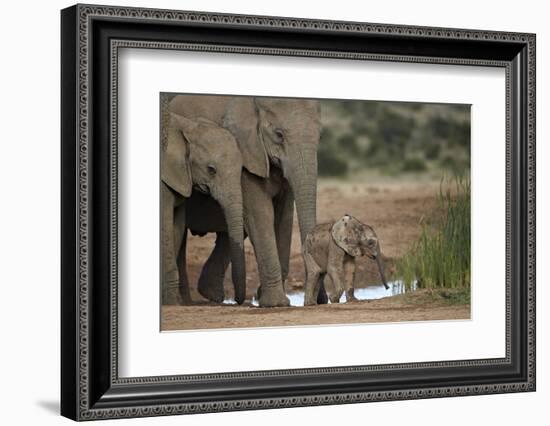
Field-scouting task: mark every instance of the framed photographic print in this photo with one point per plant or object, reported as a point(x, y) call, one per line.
point(263, 212)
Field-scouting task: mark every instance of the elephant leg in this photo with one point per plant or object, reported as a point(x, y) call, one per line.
point(321, 283)
point(180, 244)
point(350, 268)
point(213, 272)
point(335, 272)
point(284, 217)
point(313, 279)
point(334, 282)
point(184, 293)
point(259, 223)
point(329, 284)
point(170, 276)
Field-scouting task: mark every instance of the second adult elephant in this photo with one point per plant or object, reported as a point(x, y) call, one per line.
point(278, 140)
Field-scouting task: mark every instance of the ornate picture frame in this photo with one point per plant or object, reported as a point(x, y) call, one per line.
point(91, 37)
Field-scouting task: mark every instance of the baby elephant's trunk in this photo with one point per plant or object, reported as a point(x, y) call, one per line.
point(381, 269)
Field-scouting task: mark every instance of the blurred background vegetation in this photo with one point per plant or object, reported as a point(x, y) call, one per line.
point(393, 138)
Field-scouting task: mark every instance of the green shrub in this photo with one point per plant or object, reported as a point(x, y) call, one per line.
point(414, 164)
point(331, 160)
point(454, 165)
point(348, 143)
point(395, 132)
point(432, 150)
point(331, 166)
point(460, 135)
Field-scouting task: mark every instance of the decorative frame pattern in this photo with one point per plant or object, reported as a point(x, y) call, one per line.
point(110, 396)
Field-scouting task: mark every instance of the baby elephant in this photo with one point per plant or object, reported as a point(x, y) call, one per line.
point(329, 253)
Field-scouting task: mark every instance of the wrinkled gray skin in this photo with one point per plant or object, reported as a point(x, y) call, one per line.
point(278, 139)
point(330, 253)
point(199, 159)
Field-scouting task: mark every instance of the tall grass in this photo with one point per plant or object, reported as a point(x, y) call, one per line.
point(441, 256)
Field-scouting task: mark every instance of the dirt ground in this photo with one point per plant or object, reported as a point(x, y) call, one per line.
point(419, 306)
point(394, 209)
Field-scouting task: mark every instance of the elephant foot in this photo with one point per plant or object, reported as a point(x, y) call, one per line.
point(335, 299)
point(309, 298)
point(322, 297)
point(310, 302)
point(351, 299)
point(239, 298)
point(211, 292)
point(272, 297)
point(210, 284)
point(184, 296)
point(176, 295)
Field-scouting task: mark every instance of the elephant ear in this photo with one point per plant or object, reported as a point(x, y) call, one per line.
point(241, 119)
point(345, 234)
point(175, 168)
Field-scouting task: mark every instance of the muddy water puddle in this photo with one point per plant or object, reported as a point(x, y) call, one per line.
point(366, 293)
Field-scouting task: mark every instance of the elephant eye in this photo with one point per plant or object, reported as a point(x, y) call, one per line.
point(211, 169)
point(279, 135)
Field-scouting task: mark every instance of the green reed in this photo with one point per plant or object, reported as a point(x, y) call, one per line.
point(441, 256)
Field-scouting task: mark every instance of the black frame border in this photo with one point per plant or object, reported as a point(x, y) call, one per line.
point(90, 387)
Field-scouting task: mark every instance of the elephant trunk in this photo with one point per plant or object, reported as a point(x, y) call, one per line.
point(381, 270)
point(303, 181)
point(234, 218)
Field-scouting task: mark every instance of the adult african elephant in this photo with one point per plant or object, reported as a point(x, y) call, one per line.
point(278, 139)
point(199, 157)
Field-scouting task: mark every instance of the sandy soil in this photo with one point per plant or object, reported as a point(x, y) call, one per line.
point(418, 306)
point(395, 210)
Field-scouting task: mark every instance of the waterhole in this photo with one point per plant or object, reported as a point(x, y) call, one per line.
point(366, 293)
